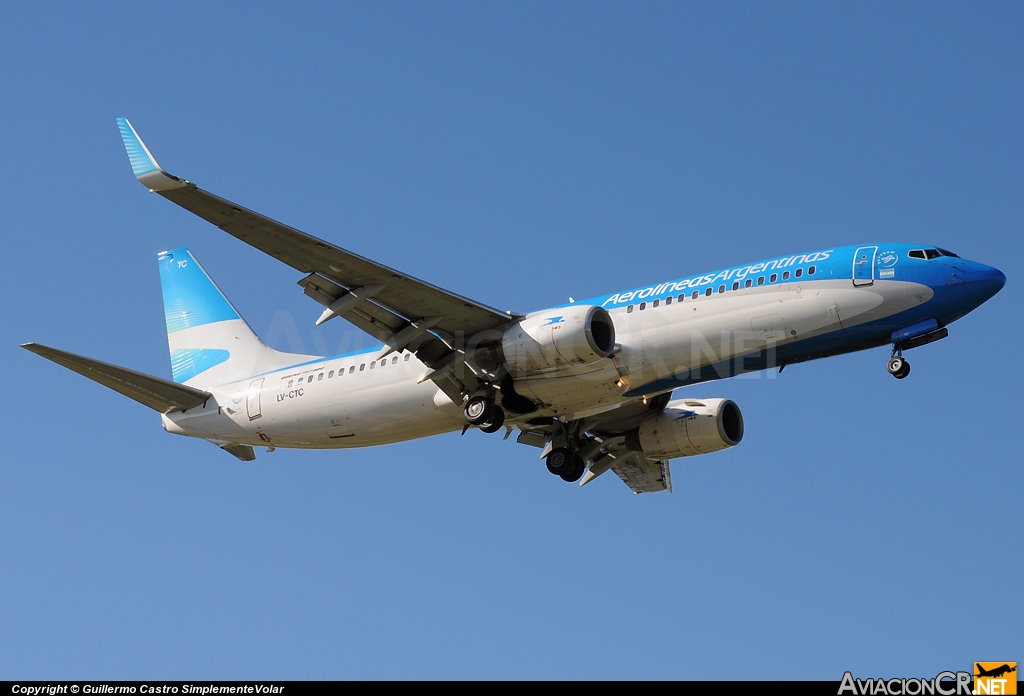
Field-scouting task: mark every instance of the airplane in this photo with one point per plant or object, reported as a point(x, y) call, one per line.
point(588, 382)
point(996, 671)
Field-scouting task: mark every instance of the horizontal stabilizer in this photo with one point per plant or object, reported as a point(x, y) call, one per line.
point(159, 394)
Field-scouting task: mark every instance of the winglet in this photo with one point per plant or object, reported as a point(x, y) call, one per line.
point(144, 165)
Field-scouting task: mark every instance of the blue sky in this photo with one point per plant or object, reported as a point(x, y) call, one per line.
point(517, 153)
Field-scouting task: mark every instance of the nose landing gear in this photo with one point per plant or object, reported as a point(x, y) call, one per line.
point(898, 367)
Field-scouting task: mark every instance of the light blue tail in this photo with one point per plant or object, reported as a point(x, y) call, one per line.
point(209, 342)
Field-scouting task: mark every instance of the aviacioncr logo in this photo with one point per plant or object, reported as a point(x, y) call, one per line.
point(888, 259)
point(553, 320)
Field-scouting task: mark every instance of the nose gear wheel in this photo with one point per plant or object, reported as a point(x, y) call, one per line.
point(898, 367)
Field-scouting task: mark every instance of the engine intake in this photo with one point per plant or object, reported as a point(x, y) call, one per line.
point(558, 338)
point(688, 427)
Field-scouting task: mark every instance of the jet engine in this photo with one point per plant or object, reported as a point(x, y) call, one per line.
point(558, 338)
point(687, 427)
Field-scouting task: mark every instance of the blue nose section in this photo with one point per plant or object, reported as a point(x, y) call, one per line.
point(984, 281)
point(991, 280)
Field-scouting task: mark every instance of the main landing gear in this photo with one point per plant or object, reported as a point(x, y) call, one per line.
point(898, 367)
point(563, 462)
point(483, 413)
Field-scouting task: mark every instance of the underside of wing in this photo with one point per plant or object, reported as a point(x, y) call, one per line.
point(393, 307)
point(643, 475)
point(406, 297)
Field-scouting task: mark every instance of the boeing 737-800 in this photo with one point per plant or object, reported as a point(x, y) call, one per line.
point(588, 382)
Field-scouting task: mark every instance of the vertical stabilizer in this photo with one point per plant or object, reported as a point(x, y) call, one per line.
point(208, 340)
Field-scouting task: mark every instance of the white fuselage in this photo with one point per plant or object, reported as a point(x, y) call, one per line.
point(359, 400)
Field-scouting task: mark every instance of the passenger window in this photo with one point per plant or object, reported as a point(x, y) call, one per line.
point(931, 254)
point(707, 293)
point(643, 306)
point(681, 298)
point(330, 375)
point(394, 360)
point(799, 272)
point(810, 271)
point(696, 294)
point(290, 383)
point(373, 364)
point(775, 276)
point(629, 309)
point(721, 289)
point(383, 362)
point(407, 356)
point(785, 276)
point(736, 285)
point(319, 376)
point(760, 280)
point(668, 300)
point(310, 380)
point(656, 303)
point(362, 367)
point(748, 283)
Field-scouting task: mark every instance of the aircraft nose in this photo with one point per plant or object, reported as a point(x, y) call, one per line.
point(998, 277)
point(993, 278)
point(985, 281)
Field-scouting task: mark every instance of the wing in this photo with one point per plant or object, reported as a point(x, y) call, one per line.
point(643, 475)
point(394, 307)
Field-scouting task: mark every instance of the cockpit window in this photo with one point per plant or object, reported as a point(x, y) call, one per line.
point(916, 254)
point(931, 254)
point(947, 253)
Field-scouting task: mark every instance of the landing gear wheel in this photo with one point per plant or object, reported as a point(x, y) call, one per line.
point(559, 461)
point(497, 420)
point(898, 367)
point(479, 410)
point(576, 472)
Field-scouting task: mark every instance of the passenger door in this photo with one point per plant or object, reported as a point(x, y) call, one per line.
point(864, 266)
point(252, 401)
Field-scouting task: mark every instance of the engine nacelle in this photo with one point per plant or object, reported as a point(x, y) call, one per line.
point(558, 338)
point(687, 427)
